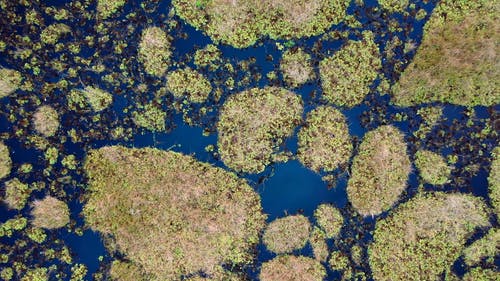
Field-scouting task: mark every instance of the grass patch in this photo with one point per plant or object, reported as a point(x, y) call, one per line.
point(190, 84)
point(287, 234)
point(10, 81)
point(329, 219)
point(252, 124)
point(494, 180)
point(170, 214)
point(347, 75)
point(46, 120)
point(292, 268)
point(324, 141)
point(379, 172)
point(424, 236)
point(151, 117)
point(485, 248)
point(154, 51)
point(16, 194)
point(457, 61)
point(5, 161)
point(481, 274)
point(296, 67)
point(432, 167)
point(50, 213)
point(318, 244)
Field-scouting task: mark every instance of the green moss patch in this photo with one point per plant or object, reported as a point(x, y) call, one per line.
point(347, 75)
point(292, 268)
point(98, 99)
point(154, 51)
point(494, 180)
point(296, 67)
point(170, 214)
point(324, 141)
point(424, 236)
point(379, 172)
point(484, 248)
point(242, 23)
point(50, 213)
point(5, 161)
point(432, 167)
point(10, 81)
point(16, 194)
point(253, 123)
point(106, 8)
point(52, 33)
point(150, 117)
point(46, 120)
point(190, 84)
point(457, 61)
point(287, 234)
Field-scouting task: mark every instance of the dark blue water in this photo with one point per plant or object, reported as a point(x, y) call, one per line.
point(285, 188)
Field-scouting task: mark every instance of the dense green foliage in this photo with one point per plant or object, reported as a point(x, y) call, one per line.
point(190, 84)
point(432, 167)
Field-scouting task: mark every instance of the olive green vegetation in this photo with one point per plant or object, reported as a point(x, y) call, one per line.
point(324, 142)
point(50, 213)
point(481, 274)
point(457, 61)
point(287, 234)
point(170, 214)
point(10, 81)
point(154, 51)
point(339, 262)
point(394, 5)
point(106, 8)
point(242, 23)
point(126, 271)
point(430, 117)
point(485, 248)
point(16, 194)
point(207, 56)
point(424, 236)
point(36, 274)
point(46, 120)
point(36, 234)
point(190, 84)
point(346, 76)
point(296, 67)
point(292, 268)
point(253, 123)
point(494, 180)
point(52, 33)
point(78, 272)
point(98, 99)
point(329, 219)
point(7, 228)
point(318, 244)
point(432, 167)
point(5, 161)
point(150, 117)
point(379, 172)
point(7, 273)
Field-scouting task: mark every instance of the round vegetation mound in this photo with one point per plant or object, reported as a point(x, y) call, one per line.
point(97, 99)
point(432, 167)
point(347, 75)
point(16, 194)
point(494, 180)
point(329, 219)
point(46, 120)
point(170, 214)
point(106, 8)
point(324, 141)
point(241, 23)
point(10, 81)
point(50, 213)
point(151, 117)
point(5, 161)
point(296, 67)
point(252, 124)
point(424, 236)
point(457, 61)
point(190, 84)
point(379, 171)
point(154, 51)
point(292, 268)
point(287, 234)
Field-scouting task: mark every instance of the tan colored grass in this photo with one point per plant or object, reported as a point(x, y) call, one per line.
point(10, 81)
point(287, 234)
point(46, 120)
point(5, 161)
point(292, 268)
point(50, 213)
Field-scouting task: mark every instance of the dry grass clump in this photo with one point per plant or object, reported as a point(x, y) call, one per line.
point(423, 237)
point(189, 83)
point(10, 81)
point(46, 120)
point(432, 167)
point(292, 268)
point(16, 194)
point(287, 234)
point(485, 248)
point(50, 213)
point(329, 219)
point(347, 75)
point(154, 51)
point(494, 180)
point(379, 172)
point(98, 99)
point(126, 271)
point(457, 61)
point(252, 124)
point(106, 8)
point(170, 214)
point(5, 161)
point(241, 23)
point(394, 5)
point(296, 67)
point(324, 141)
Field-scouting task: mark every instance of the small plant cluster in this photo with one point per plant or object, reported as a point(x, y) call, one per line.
point(432, 167)
point(296, 67)
point(154, 51)
point(5, 161)
point(106, 8)
point(17, 194)
point(190, 84)
point(287, 234)
point(46, 120)
point(10, 81)
point(50, 213)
